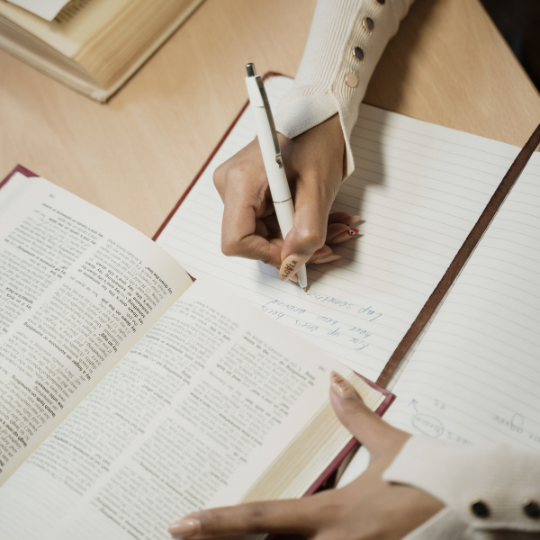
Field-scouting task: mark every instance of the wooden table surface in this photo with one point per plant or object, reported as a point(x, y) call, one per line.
point(135, 156)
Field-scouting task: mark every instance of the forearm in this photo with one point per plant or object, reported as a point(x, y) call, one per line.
point(346, 41)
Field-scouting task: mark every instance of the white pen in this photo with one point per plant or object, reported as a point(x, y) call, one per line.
point(271, 153)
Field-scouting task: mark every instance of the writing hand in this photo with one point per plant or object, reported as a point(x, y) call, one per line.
point(368, 507)
point(314, 165)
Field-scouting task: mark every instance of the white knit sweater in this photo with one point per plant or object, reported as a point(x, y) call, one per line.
point(346, 40)
point(320, 88)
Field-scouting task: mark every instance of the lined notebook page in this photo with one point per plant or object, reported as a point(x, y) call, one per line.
point(420, 189)
point(476, 374)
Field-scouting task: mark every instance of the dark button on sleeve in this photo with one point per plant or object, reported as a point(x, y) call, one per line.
point(359, 53)
point(531, 509)
point(480, 509)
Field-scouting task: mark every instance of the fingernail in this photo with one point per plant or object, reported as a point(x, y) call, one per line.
point(292, 278)
point(327, 258)
point(345, 235)
point(340, 385)
point(186, 528)
point(290, 266)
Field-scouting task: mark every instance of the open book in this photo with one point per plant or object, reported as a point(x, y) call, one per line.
point(92, 46)
point(421, 189)
point(130, 396)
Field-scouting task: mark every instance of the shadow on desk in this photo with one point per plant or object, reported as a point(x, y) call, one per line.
point(393, 73)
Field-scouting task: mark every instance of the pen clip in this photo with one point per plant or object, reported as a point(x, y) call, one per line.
point(268, 111)
point(251, 73)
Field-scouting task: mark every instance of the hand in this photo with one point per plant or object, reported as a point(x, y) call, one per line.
point(314, 166)
point(368, 507)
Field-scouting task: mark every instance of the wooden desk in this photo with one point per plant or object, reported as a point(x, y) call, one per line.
point(136, 155)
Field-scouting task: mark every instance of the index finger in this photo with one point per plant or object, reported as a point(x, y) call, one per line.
point(244, 204)
point(288, 516)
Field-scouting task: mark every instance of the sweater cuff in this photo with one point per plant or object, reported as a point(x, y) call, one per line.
point(488, 487)
point(346, 40)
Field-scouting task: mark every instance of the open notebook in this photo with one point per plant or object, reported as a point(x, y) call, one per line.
point(475, 376)
point(420, 189)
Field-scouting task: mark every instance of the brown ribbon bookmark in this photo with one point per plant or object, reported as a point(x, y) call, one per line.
point(461, 257)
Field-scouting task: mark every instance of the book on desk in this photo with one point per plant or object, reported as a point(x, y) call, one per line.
point(92, 46)
point(217, 394)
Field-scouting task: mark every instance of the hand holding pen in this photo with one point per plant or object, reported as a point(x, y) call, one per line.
point(313, 164)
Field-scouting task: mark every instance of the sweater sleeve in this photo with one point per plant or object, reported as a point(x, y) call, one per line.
point(486, 489)
point(346, 40)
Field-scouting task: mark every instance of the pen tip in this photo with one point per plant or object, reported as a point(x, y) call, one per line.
point(305, 289)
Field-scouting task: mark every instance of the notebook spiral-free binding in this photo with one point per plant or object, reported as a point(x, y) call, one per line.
point(510, 178)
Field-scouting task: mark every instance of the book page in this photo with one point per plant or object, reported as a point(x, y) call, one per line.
point(420, 189)
point(191, 417)
point(475, 375)
point(46, 9)
point(78, 288)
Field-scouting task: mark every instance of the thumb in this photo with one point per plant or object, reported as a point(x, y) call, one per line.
point(368, 428)
point(304, 241)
